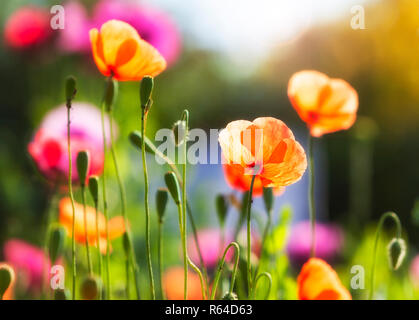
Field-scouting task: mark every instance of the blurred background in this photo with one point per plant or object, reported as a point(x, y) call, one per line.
point(230, 60)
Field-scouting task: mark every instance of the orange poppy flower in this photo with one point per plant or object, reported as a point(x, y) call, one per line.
point(239, 181)
point(119, 51)
point(326, 105)
point(8, 294)
point(318, 281)
point(173, 284)
point(116, 225)
point(266, 148)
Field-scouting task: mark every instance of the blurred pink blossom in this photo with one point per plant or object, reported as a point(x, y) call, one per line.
point(211, 248)
point(329, 241)
point(153, 25)
point(414, 271)
point(29, 263)
point(27, 27)
point(49, 146)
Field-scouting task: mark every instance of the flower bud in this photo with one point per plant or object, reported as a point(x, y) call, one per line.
point(111, 94)
point(179, 132)
point(172, 184)
point(230, 296)
point(221, 204)
point(162, 196)
point(57, 239)
point(94, 188)
point(90, 288)
point(268, 198)
point(126, 244)
point(61, 294)
point(146, 88)
point(82, 166)
point(396, 252)
point(7, 276)
point(70, 88)
point(136, 139)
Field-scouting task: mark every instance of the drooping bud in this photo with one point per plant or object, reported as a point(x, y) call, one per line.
point(82, 166)
point(56, 245)
point(162, 196)
point(146, 88)
point(396, 252)
point(172, 184)
point(230, 296)
point(111, 94)
point(221, 204)
point(126, 244)
point(94, 188)
point(179, 132)
point(268, 198)
point(136, 139)
point(61, 294)
point(70, 88)
point(90, 288)
point(7, 276)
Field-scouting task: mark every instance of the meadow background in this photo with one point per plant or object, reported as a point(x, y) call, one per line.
point(235, 60)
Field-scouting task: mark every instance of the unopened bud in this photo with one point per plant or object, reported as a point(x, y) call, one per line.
point(230, 296)
point(70, 88)
point(221, 204)
point(111, 94)
point(146, 89)
point(172, 184)
point(162, 196)
point(136, 139)
point(90, 288)
point(57, 239)
point(179, 132)
point(268, 198)
point(94, 188)
point(82, 166)
point(61, 294)
point(396, 252)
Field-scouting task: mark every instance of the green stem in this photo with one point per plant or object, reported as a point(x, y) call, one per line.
point(185, 257)
point(249, 248)
point(264, 237)
point(131, 254)
point(174, 168)
point(105, 203)
point(220, 269)
point(267, 276)
point(312, 206)
point(185, 116)
point(147, 209)
point(98, 246)
point(201, 278)
point(86, 235)
point(160, 258)
point(395, 218)
point(70, 191)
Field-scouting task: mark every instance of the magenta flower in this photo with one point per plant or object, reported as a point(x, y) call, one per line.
point(212, 249)
point(153, 25)
point(29, 262)
point(49, 146)
point(329, 241)
point(27, 27)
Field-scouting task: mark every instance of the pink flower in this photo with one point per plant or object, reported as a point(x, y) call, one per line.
point(49, 146)
point(153, 25)
point(211, 248)
point(329, 241)
point(29, 263)
point(28, 27)
point(414, 271)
